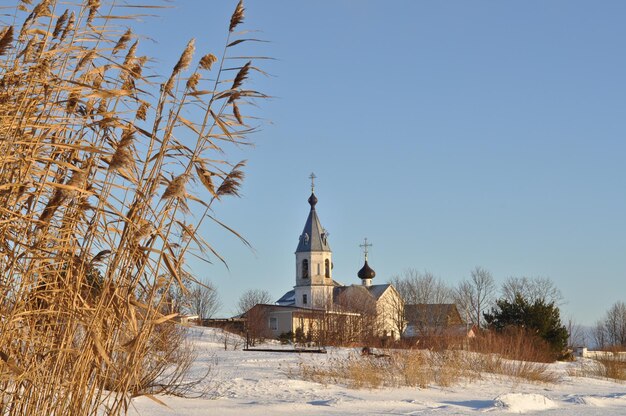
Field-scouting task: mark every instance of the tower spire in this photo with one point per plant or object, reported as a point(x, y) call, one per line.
point(314, 237)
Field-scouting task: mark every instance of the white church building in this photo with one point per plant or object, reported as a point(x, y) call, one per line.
point(319, 306)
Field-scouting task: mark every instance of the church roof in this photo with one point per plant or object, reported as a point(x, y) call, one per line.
point(314, 237)
point(376, 291)
point(287, 299)
point(433, 313)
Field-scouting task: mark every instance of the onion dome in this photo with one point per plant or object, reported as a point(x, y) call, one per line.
point(366, 272)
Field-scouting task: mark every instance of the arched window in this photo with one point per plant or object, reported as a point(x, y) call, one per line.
point(327, 268)
point(305, 269)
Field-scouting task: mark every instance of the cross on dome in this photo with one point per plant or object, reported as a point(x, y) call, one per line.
point(312, 177)
point(365, 246)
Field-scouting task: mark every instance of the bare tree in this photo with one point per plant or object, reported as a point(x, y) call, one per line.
point(252, 297)
point(475, 295)
point(416, 287)
point(203, 300)
point(397, 313)
point(577, 333)
point(611, 330)
point(615, 324)
point(532, 289)
point(358, 300)
point(599, 335)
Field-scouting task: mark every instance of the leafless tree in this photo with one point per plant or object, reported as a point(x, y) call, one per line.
point(397, 314)
point(203, 300)
point(577, 333)
point(614, 325)
point(416, 287)
point(532, 289)
point(599, 335)
point(611, 330)
point(475, 295)
point(252, 297)
point(358, 300)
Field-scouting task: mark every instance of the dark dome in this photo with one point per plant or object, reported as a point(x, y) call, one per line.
point(312, 200)
point(366, 272)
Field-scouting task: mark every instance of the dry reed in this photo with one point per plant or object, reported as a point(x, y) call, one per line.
point(419, 368)
point(611, 366)
point(88, 218)
point(398, 368)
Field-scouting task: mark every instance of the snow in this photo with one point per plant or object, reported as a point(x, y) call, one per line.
point(266, 383)
point(523, 402)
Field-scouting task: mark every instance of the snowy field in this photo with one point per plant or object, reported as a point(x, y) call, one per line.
point(264, 384)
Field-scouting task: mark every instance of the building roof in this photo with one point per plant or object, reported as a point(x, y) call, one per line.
point(314, 237)
point(273, 308)
point(287, 299)
point(433, 314)
point(376, 291)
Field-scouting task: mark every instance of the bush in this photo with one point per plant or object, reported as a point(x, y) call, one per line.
point(286, 337)
point(539, 319)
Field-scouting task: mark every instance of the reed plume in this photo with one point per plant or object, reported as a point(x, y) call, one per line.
point(237, 16)
point(91, 246)
point(207, 61)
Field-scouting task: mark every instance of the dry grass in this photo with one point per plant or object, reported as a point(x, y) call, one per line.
point(612, 367)
point(413, 368)
point(514, 353)
point(98, 170)
point(421, 368)
point(514, 344)
point(529, 371)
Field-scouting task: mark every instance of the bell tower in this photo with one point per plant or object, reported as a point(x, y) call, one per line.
point(314, 282)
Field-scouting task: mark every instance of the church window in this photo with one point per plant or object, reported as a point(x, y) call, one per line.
point(318, 268)
point(273, 323)
point(305, 269)
point(327, 268)
point(304, 299)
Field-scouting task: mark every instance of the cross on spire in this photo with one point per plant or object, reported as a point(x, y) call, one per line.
point(365, 246)
point(312, 177)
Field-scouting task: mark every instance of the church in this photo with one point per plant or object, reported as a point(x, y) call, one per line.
point(321, 308)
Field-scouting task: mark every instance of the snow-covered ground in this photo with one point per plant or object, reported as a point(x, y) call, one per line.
point(264, 384)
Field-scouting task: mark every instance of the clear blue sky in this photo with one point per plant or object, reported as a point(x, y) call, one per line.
point(452, 134)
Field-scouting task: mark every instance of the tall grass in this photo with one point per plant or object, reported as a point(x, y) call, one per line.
point(514, 352)
point(98, 175)
point(421, 368)
point(514, 344)
point(611, 366)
